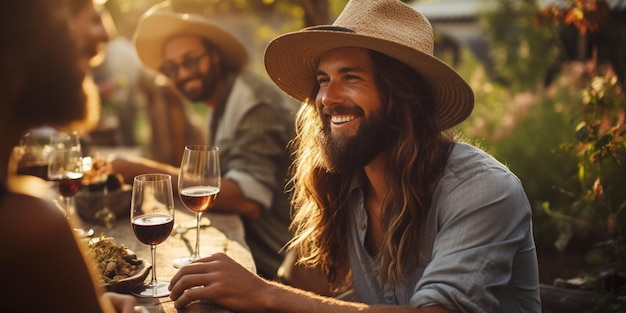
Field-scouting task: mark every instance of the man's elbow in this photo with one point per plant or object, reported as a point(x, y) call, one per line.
point(251, 210)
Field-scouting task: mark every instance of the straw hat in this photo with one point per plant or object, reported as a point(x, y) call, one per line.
point(161, 22)
point(387, 26)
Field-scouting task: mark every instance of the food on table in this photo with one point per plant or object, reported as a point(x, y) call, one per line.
point(114, 262)
point(100, 174)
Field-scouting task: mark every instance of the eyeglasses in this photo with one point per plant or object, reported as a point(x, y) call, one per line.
point(170, 68)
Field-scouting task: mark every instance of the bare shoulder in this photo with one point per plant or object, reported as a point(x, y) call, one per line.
point(38, 246)
point(33, 229)
point(29, 219)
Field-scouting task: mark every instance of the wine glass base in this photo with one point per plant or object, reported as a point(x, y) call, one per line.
point(180, 262)
point(82, 233)
point(153, 290)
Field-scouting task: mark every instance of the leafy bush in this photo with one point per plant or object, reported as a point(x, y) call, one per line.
point(568, 148)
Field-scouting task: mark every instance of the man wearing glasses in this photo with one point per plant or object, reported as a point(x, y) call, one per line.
point(249, 120)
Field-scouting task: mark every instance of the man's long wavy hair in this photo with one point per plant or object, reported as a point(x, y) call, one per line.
point(416, 155)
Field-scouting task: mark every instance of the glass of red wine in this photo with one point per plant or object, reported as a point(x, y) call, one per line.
point(198, 186)
point(152, 220)
point(65, 168)
point(33, 155)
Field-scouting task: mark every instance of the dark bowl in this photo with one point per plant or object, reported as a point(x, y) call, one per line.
point(88, 203)
point(126, 285)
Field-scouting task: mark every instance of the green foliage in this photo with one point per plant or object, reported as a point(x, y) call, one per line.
point(594, 197)
point(568, 147)
point(524, 54)
point(601, 153)
point(608, 259)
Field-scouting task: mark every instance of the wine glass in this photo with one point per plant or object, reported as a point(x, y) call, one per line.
point(198, 186)
point(33, 155)
point(105, 215)
point(152, 219)
point(65, 167)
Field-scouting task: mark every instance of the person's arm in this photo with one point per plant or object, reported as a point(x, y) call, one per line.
point(121, 303)
point(131, 166)
point(220, 279)
point(229, 200)
point(252, 162)
point(232, 200)
point(483, 237)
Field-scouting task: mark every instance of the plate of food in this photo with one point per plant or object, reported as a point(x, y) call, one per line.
point(119, 268)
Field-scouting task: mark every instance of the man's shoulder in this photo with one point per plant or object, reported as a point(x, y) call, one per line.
point(256, 82)
point(264, 90)
point(468, 155)
point(468, 163)
point(474, 176)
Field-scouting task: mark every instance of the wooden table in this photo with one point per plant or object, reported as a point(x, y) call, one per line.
point(219, 232)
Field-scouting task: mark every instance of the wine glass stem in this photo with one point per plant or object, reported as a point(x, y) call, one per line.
point(68, 210)
point(197, 253)
point(153, 281)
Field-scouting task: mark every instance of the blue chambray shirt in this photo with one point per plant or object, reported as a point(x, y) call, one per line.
point(477, 252)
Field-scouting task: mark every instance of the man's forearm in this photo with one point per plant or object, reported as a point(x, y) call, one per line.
point(131, 166)
point(282, 298)
point(232, 200)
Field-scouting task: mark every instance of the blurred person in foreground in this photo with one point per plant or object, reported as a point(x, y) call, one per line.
point(250, 121)
point(88, 21)
point(42, 264)
point(85, 19)
point(387, 201)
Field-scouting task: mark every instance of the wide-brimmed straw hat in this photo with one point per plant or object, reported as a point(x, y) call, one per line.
point(387, 26)
point(161, 22)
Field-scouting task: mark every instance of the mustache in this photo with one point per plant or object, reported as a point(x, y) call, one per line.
point(183, 82)
point(342, 109)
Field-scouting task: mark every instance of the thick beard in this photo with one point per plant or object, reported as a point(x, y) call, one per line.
point(209, 84)
point(344, 154)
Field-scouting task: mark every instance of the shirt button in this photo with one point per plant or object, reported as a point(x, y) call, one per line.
point(362, 226)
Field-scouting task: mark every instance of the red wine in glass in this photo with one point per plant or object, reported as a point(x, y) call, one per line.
point(65, 167)
point(152, 220)
point(68, 186)
point(34, 169)
point(153, 229)
point(32, 155)
point(199, 198)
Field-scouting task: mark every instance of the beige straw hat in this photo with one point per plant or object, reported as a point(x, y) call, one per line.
point(161, 22)
point(387, 26)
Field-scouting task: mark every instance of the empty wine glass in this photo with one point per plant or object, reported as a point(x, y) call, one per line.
point(198, 186)
point(152, 219)
point(65, 167)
